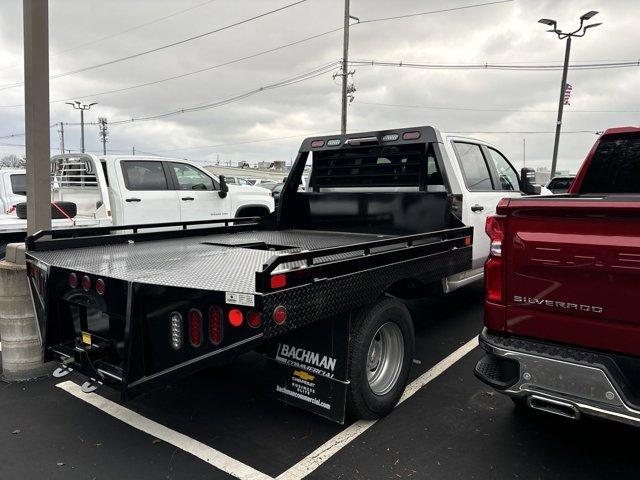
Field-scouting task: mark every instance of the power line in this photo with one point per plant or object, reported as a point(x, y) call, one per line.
point(525, 132)
point(13, 135)
point(194, 72)
point(122, 32)
point(444, 10)
point(136, 27)
point(218, 103)
point(297, 42)
point(501, 109)
point(279, 84)
point(163, 47)
point(494, 66)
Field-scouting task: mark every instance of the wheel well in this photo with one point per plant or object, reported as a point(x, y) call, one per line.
point(252, 211)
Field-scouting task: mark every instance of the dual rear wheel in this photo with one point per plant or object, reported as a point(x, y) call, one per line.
point(380, 357)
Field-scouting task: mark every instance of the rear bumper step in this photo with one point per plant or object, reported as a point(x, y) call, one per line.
point(565, 382)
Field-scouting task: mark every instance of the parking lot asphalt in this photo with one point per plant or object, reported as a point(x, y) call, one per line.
point(453, 427)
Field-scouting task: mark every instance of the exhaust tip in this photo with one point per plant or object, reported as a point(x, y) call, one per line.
point(556, 407)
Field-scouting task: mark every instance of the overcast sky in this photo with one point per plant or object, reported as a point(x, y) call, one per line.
point(90, 32)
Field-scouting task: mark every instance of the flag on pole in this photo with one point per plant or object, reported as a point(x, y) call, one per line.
point(567, 93)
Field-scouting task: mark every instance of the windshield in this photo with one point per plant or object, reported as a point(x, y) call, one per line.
point(615, 167)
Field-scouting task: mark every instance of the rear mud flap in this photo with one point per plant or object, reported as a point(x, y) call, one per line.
point(308, 368)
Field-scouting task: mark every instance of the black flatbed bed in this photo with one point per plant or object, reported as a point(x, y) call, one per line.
point(221, 262)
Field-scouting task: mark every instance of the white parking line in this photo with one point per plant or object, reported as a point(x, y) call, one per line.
point(238, 469)
point(214, 457)
point(334, 445)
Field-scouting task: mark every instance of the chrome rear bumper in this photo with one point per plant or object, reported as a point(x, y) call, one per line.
point(558, 380)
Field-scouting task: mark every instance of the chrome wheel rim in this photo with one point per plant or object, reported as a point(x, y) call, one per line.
point(384, 358)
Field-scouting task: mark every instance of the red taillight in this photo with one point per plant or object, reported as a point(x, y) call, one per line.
point(86, 283)
point(100, 286)
point(493, 269)
point(280, 315)
point(495, 229)
point(195, 327)
point(73, 280)
point(235, 317)
point(411, 135)
point(215, 325)
point(278, 281)
point(254, 319)
point(317, 143)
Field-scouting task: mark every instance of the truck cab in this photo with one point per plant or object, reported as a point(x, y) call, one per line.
point(96, 191)
point(479, 175)
point(13, 188)
point(155, 190)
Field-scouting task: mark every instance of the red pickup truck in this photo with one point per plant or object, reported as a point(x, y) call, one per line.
point(562, 326)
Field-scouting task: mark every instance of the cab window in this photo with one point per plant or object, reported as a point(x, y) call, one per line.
point(508, 177)
point(474, 167)
point(190, 178)
point(144, 175)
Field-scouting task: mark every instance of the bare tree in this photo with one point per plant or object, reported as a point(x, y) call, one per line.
point(12, 161)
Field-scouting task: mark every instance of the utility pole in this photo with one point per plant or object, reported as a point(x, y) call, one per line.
point(77, 105)
point(524, 152)
point(345, 67)
point(61, 132)
point(133, 150)
point(347, 90)
point(579, 32)
point(36, 100)
point(104, 133)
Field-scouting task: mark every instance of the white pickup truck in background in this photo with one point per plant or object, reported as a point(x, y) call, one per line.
point(478, 175)
point(13, 188)
point(129, 190)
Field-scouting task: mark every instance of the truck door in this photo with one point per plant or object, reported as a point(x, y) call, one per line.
point(198, 194)
point(146, 193)
point(485, 187)
point(15, 189)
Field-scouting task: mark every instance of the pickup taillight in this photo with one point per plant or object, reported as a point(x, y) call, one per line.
point(494, 267)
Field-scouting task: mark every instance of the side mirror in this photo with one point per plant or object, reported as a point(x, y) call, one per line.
point(224, 188)
point(527, 180)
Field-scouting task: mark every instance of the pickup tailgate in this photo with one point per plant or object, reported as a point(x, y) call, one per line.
point(572, 264)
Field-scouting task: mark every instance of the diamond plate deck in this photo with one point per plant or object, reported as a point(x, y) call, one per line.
point(193, 262)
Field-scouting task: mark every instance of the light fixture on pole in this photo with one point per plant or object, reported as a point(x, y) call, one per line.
point(579, 32)
point(77, 105)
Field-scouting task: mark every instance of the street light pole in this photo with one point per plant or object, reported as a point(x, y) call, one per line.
point(563, 87)
point(579, 32)
point(77, 105)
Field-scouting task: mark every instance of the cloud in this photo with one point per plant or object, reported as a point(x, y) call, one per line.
point(500, 33)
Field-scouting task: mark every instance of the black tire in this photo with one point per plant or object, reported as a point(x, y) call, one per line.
point(362, 401)
point(69, 208)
